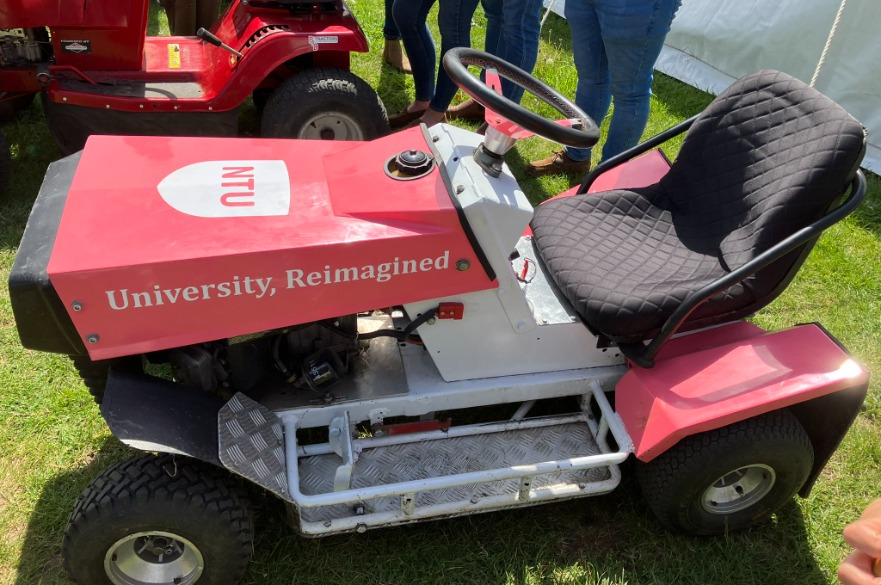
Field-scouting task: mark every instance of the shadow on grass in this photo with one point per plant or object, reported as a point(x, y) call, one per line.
point(607, 539)
point(392, 89)
point(40, 560)
point(32, 150)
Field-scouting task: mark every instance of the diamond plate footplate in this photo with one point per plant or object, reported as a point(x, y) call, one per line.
point(252, 443)
point(413, 461)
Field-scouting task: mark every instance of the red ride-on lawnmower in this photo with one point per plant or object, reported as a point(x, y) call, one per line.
point(386, 332)
point(101, 74)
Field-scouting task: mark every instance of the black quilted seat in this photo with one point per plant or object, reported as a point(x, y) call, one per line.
point(768, 156)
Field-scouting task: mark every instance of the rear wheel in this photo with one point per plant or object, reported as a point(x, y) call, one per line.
point(158, 520)
point(728, 478)
point(324, 104)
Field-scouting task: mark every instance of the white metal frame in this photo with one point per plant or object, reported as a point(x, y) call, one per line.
point(609, 422)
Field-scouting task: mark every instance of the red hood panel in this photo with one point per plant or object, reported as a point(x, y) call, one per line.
point(172, 241)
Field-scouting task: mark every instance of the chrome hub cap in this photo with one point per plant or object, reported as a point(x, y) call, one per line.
point(153, 558)
point(739, 489)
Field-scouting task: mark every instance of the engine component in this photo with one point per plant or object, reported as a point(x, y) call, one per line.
point(310, 356)
point(317, 355)
point(21, 46)
point(195, 367)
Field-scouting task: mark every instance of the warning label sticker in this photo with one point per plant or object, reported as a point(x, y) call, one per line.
point(174, 56)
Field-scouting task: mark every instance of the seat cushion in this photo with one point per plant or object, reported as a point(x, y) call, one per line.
point(620, 259)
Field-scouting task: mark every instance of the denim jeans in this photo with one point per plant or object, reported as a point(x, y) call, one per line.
point(615, 44)
point(454, 23)
point(512, 31)
point(389, 28)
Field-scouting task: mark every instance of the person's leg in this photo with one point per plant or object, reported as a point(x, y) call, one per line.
point(493, 11)
point(389, 29)
point(521, 28)
point(592, 90)
point(410, 16)
point(454, 23)
point(392, 53)
point(469, 109)
point(633, 33)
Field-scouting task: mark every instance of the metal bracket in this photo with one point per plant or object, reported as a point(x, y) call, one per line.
point(523, 491)
point(340, 439)
point(408, 504)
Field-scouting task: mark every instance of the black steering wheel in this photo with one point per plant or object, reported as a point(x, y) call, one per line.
point(456, 62)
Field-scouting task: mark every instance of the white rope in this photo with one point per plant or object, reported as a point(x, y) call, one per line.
point(828, 43)
point(548, 11)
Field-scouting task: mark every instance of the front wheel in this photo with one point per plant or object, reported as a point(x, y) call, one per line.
point(324, 104)
point(726, 479)
point(158, 520)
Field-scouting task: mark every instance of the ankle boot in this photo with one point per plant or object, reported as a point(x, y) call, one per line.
point(393, 54)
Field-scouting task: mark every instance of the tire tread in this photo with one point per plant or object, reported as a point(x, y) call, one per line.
point(660, 476)
point(183, 483)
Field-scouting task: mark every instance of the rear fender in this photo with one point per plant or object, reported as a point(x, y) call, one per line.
point(268, 45)
point(720, 376)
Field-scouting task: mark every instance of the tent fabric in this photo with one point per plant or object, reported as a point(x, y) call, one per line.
point(712, 43)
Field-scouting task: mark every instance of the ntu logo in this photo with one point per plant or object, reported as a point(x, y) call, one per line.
point(229, 188)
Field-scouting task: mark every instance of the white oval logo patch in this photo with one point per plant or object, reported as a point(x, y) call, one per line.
point(229, 188)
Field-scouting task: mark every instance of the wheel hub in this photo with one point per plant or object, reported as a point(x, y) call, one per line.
point(332, 126)
point(158, 549)
point(153, 558)
point(739, 489)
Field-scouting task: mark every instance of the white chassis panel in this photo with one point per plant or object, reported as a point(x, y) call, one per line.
point(519, 327)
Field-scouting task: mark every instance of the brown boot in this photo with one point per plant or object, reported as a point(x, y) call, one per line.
point(393, 54)
point(467, 110)
point(558, 163)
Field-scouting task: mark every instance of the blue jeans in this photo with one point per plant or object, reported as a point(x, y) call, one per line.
point(615, 44)
point(512, 31)
point(389, 28)
point(454, 23)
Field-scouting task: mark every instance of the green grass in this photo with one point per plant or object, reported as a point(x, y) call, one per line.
point(53, 441)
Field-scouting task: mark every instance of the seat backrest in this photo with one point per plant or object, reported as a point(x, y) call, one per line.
point(767, 157)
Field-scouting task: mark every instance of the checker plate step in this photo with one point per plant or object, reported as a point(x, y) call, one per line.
point(252, 443)
point(441, 457)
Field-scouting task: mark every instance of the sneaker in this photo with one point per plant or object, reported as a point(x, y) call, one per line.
point(394, 55)
point(467, 110)
point(557, 164)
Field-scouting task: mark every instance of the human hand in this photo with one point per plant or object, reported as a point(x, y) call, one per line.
point(862, 566)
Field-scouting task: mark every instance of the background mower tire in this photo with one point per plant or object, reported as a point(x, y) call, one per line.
point(158, 519)
point(324, 104)
point(726, 479)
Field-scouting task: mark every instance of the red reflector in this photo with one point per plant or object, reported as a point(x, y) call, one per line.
point(450, 311)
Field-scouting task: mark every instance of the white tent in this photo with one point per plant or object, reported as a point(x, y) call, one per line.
point(713, 42)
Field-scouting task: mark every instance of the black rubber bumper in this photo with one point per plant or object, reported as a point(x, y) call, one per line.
point(42, 320)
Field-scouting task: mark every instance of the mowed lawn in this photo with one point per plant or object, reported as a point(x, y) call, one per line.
point(53, 440)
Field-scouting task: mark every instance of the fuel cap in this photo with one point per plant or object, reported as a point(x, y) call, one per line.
point(410, 164)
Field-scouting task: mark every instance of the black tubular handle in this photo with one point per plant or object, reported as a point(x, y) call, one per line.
point(206, 36)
